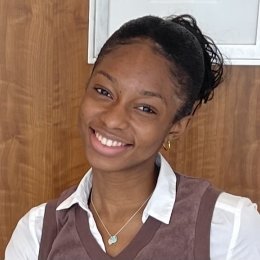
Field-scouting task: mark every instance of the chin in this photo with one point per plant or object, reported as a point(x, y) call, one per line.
point(105, 164)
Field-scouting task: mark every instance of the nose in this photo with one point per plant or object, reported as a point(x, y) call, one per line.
point(115, 117)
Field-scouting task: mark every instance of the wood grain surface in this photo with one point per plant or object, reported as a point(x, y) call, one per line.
point(43, 73)
point(222, 143)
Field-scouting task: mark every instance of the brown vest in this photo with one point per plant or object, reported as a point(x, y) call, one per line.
point(66, 234)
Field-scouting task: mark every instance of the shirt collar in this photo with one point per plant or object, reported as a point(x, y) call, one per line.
point(159, 206)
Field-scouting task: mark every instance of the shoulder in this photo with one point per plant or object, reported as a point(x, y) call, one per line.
point(235, 228)
point(25, 240)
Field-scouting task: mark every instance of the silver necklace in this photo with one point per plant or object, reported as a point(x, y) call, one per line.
point(113, 238)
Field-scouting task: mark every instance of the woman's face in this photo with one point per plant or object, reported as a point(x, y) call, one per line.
point(128, 108)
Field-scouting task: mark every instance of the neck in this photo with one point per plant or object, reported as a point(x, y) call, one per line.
point(125, 190)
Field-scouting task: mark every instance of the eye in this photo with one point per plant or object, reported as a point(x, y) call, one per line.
point(147, 109)
point(103, 92)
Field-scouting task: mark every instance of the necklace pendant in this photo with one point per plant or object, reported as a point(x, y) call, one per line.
point(112, 240)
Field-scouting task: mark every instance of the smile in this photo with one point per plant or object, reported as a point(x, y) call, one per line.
point(108, 142)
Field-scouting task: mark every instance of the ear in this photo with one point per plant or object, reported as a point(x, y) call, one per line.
point(179, 127)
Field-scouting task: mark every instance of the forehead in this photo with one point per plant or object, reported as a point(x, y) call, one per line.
point(137, 52)
point(137, 62)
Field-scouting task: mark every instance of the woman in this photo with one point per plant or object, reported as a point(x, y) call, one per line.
point(148, 80)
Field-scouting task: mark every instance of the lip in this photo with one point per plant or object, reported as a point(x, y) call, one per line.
point(105, 149)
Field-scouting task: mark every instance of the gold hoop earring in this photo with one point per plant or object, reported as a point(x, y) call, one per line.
point(167, 147)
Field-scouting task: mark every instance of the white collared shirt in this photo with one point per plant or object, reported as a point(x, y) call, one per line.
point(235, 227)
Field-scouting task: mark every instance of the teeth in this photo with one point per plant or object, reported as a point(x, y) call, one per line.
point(108, 142)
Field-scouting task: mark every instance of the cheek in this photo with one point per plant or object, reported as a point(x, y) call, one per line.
point(87, 109)
point(82, 123)
point(89, 114)
point(85, 114)
point(152, 135)
point(82, 113)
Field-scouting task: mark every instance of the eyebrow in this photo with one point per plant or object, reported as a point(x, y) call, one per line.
point(108, 76)
point(147, 93)
point(152, 94)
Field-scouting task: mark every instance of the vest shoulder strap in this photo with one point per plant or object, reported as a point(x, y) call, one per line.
point(203, 225)
point(50, 227)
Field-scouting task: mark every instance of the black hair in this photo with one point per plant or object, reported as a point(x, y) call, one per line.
point(196, 64)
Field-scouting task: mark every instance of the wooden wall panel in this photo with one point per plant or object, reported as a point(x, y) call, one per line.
point(222, 143)
point(43, 72)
